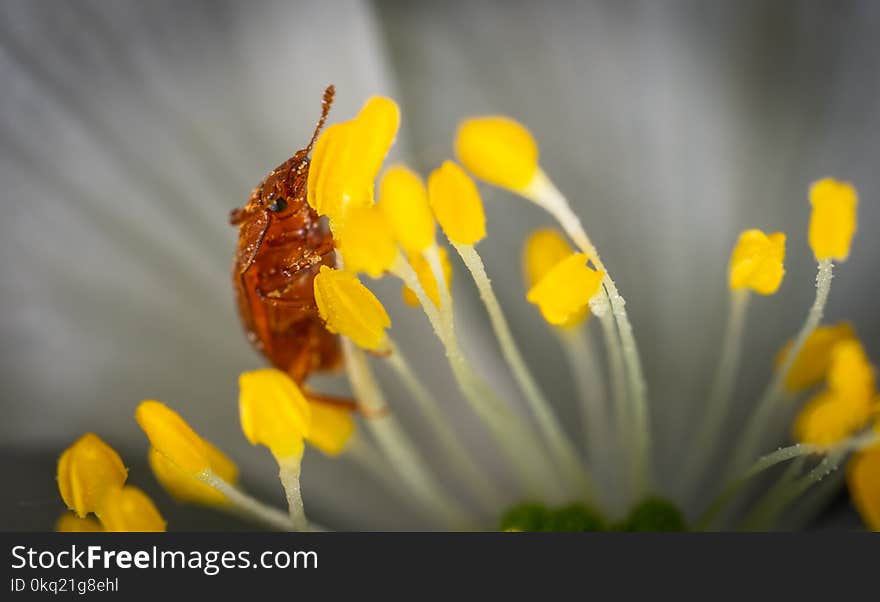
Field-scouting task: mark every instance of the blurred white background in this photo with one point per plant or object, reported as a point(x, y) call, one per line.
point(128, 130)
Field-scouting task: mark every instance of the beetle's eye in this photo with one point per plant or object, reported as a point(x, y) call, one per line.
point(279, 204)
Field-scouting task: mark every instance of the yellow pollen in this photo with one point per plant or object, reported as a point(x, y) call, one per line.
point(566, 289)
point(846, 406)
point(186, 488)
point(457, 204)
point(69, 522)
point(544, 249)
point(851, 374)
point(813, 362)
point(757, 262)
point(863, 479)
point(347, 159)
point(833, 221)
point(130, 510)
point(404, 200)
point(426, 277)
point(366, 241)
point(827, 419)
point(350, 309)
point(171, 436)
point(274, 412)
point(87, 471)
point(498, 150)
point(331, 428)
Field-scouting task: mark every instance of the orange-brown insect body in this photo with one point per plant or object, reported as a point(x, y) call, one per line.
point(282, 243)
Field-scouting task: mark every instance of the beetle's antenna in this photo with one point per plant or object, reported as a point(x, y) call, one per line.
point(329, 93)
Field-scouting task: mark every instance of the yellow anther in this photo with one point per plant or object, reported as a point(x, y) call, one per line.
point(274, 412)
point(186, 488)
point(331, 427)
point(456, 204)
point(404, 200)
point(757, 262)
point(566, 289)
point(426, 277)
point(350, 309)
point(828, 419)
point(130, 510)
point(544, 249)
point(498, 150)
point(863, 479)
point(833, 221)
point(366, 241)
point(846, 406)
point(69, 522)
point(851, 375)
point(347, 158)
point(172, 437)
point(813, 362)
point(87, 471)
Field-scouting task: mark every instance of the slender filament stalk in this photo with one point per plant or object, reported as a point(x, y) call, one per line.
point(396, 446)
point(248, 506)
point(718, 404)
point(543, 193)
point(288, 471)
point(478, 481)
point(757, 425)
point(554, 436)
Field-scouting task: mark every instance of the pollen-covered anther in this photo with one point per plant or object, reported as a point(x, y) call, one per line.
point(404, 200)
point(426, 277)
point(366, 241)
point(274, 412)
point(813, 362)
point(456, 204)
point(833, 220)
point(851, 374)
point(350, 309)
point(499, 150)
point(347, 159)
point(566, 289)
point(129, 509)
point(863, 480)
point(172, 437)
point(87, 471)
point(185, 488)
point(757, 262)
point(331, 428)
point(543, 250)
point(846, 405)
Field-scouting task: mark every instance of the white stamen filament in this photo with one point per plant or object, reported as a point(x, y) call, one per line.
point(363, 453)
point(554, 437)
point(396, 446)
point(464, 466)
point(288, 471)
point(757, 425)
point(543, 193)
point(620, 401)
point(248, 506)
point(718, 403)
point(767, 508)
point(761, 464)
point(590, 384)
point(829, 463)
point(512, 437)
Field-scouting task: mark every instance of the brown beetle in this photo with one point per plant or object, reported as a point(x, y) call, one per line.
point(282, 243)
